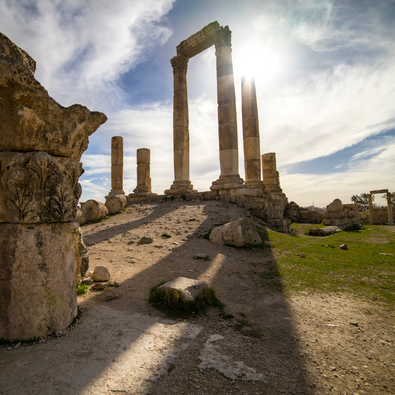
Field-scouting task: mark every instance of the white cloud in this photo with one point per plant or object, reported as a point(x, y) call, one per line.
point(327, 112)
point(366, 175)
point(81, 48)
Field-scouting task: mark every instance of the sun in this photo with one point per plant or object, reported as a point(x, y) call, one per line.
point(259, 62)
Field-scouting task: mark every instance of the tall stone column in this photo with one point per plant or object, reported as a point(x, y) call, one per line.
point(371, 217)
point(227, 121)
point(143, 173)
point(116, 166)
point(252, 151)
point(40, 148)
point(271, 176)
point(389, 203)
point(181, 183)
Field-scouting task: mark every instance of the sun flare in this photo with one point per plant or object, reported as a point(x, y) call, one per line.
point(260, 63)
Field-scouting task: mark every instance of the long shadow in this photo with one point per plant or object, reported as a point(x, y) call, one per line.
point(116, 230)
point(261, 334)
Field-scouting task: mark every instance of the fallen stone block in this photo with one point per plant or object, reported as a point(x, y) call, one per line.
point(115, 203)
point(323, 231)
point(100, 273)
point(187, 288)
point(239, 233)
point(94, 210)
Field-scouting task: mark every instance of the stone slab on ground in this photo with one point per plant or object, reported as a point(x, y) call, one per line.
point(323, 231)
point(135, 350)
point(186, 287)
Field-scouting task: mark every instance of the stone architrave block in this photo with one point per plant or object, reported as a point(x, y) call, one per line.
point(38, 187)
point(94, 210)
point(37, 279)
point(239, 233)
point(115, 203)
point(186, 287)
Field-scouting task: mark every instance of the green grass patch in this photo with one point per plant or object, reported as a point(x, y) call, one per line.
point(81, 289)
point(363, 270)
point(175, 305)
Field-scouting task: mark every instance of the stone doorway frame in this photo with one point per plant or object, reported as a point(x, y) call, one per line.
point(212, 34)
point(389, 206)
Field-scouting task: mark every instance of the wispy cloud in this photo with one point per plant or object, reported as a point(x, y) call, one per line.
point(83, 47)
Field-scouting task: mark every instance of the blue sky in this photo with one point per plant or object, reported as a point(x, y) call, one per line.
point(324, 71)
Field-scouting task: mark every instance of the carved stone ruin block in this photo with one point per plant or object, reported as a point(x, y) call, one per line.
point(37, 279)
point(40, 147)
point(38, 187)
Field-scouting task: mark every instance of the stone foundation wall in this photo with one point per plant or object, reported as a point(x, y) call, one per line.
point(380, 215)
point(269, 207)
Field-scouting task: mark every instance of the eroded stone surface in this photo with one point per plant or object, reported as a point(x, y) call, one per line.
point(30, 119)
point(38, 187)
point(238, 233)
point(186, 287)
point(115, 203)
point(37, 279)
point(94, 210)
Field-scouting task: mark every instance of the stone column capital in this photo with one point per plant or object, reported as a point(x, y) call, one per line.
point(179, 63)
point(224, 38)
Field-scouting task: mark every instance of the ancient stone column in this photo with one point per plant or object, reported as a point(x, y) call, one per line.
point(389, 203)
point(227, 122)
point(252, 151)
point(40, 147)
point(371, 217)
point(270, 174)
point(181, 183)
point(116, 166)
point(143, 173)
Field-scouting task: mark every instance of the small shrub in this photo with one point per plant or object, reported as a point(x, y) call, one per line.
point(81, 289)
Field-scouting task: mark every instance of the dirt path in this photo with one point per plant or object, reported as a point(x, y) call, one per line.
point(327, 344)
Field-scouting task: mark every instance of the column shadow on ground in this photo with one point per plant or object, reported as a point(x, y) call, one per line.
point(274, 353)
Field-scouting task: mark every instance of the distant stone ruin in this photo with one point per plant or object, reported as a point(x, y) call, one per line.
point(336, 214)
point(41, 247)
point(143, 173)
point(376, 217)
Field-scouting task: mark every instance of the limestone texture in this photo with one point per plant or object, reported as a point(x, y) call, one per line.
point(100, 273)
point(37, 279)
point(239, 233)
point(186, 287)
point(30, 119)
point(94, 210)
point(323, 231)
point(341, 215)
point(115, 203)
point(81, 257)
point(38, 187)
point(41, 250)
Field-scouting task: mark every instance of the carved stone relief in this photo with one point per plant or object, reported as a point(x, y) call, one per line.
point(37, 187)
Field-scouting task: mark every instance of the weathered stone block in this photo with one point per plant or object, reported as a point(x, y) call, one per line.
point(37, 279)
point(94, 210)
point(238, 233)
point(186, 287)
point(115, 203)
point(33, 121)
point(37, 187)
